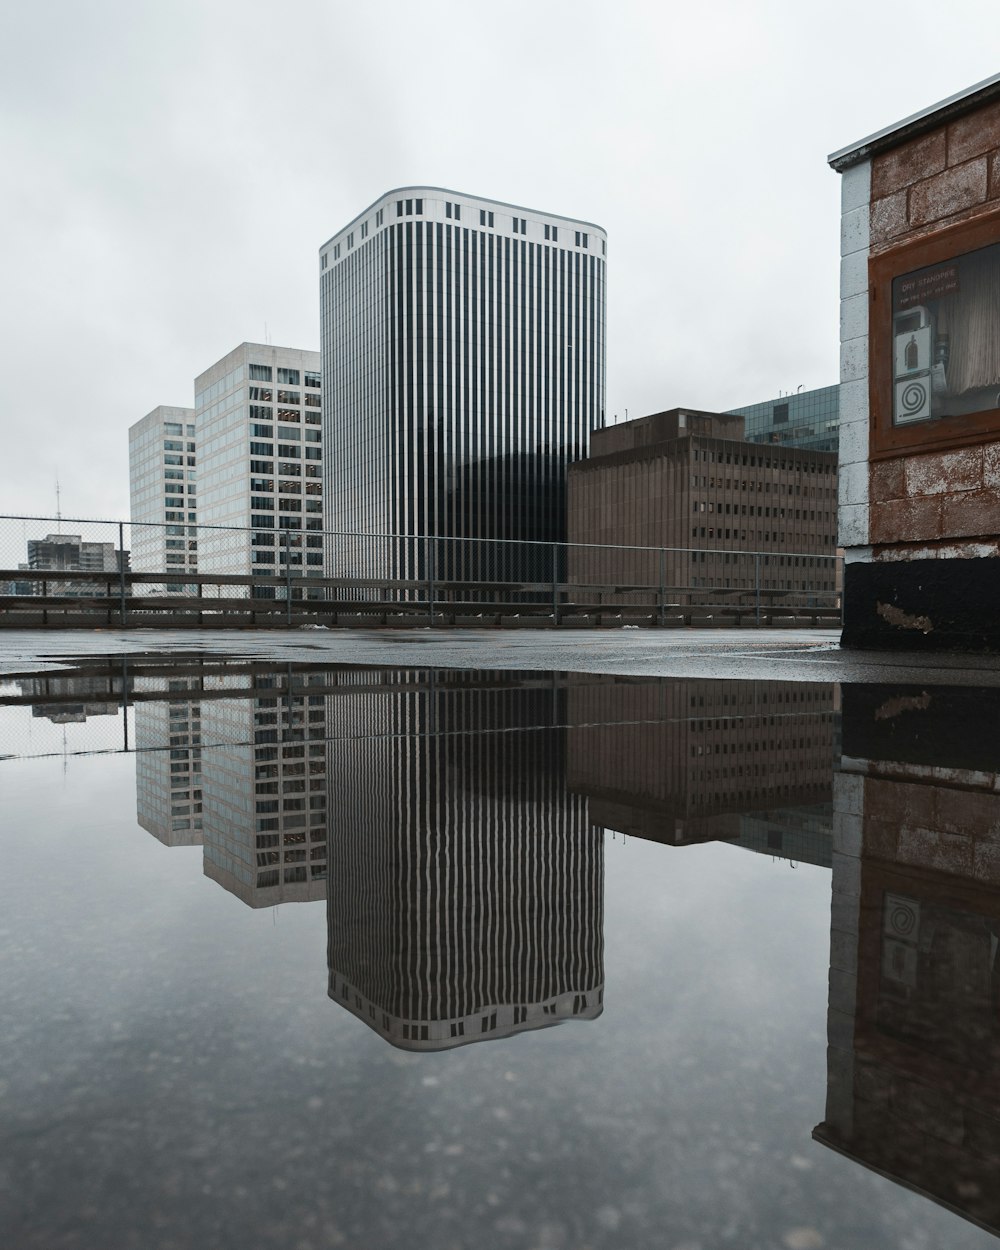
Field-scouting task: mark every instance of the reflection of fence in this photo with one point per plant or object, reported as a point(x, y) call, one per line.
point(214, 576)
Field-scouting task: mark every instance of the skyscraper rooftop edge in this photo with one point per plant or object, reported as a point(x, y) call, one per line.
point(395, 192)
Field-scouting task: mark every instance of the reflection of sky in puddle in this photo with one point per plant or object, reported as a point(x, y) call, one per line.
point(179, 1069)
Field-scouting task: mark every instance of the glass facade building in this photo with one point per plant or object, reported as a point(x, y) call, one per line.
point(809, 419)
point(463, 348)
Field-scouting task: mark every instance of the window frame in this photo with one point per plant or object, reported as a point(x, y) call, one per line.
point(886, 440)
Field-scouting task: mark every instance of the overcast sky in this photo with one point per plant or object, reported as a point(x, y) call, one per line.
point(170, 170)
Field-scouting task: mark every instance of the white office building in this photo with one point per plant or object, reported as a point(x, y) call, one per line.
point(163, 492)
point(257, 412)
point(463, 346)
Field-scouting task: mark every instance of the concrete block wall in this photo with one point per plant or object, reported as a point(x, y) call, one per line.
point(853, 492)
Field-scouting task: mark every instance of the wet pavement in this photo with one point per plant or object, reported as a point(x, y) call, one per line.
point(789, 654)
point(304, 955)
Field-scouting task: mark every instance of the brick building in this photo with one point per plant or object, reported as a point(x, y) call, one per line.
point(724, 512)
point(920, 378)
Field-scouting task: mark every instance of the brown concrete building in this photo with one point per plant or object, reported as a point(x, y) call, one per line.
point(920, 378)
point(726, 513)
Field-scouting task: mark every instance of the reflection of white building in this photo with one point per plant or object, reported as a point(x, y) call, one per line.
point(466, 885)
point(168, 770)
point(260, 447)
point(264, 788)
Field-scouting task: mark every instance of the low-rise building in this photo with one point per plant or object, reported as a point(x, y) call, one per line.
point(702, 508)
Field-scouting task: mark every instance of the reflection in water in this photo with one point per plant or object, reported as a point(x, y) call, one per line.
point(453, 824)
point(696, 761)
point(914, 1017)
point(466, 885)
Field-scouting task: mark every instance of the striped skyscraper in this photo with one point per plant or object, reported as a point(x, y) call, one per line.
point(463, 346)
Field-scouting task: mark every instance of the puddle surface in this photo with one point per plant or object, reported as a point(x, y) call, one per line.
point(360, 957)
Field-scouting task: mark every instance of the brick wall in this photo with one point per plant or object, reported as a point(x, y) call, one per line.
point(949, 175)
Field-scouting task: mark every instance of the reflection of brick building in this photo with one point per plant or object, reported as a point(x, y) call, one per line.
point(679, 760)
point(466, 886)
point(686, 479)
point(914, 1016)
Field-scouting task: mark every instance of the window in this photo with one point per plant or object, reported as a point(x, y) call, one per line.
point(289, 414)
point(418, 206)
point(261, 392)
point(581, 239)
point(323, 265)
point(169, 445)
point(364, 229)
point(170, 427)
point(262, 431)
point(288, 397)
point(453, 210)
point(261, 449)
point(290, 377)
point(935, 340)
point(289, 450)
point(350, 244)
point(520, 225)
point(311, 401)
point(311, 379)
point(399, 208)
point(314, 453)
point(552, 233)
point(173, 459)
point(288, 468)
point(336, 251)
point(485, 218)
point(259, 413)
point(260, 373)
point(378, 221)
point(261, 466)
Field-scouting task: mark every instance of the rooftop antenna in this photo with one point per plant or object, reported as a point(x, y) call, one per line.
point(266, 338)
point(58, 508)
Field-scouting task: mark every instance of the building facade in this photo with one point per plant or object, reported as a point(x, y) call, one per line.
point(920, 378)
point(259, 423)
point(463, 345)
point(162, 468)
point(808, 419)
point(724, 513)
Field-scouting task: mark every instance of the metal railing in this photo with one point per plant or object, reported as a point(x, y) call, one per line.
point(67, 572)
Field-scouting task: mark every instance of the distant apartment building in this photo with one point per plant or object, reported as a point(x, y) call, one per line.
point(162, 463)
point(723, 512)
point(809, 419)
point(70, 553)
point(259, 423)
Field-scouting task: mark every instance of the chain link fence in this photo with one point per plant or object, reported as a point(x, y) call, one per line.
point(66, 571)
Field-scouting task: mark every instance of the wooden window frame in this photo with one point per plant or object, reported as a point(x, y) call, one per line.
point(887, 441)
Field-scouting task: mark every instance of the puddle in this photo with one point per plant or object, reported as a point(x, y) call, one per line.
point(300, 956)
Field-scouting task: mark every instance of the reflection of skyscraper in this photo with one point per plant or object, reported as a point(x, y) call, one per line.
point(913, 1082)
point(264, 787)
point(466, 886)
point(683, 761)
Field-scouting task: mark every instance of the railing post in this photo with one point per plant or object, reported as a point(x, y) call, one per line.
point(663, 592)
point(121, 568)
point(288, 575)
point(430, 578)
point(756, 578)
